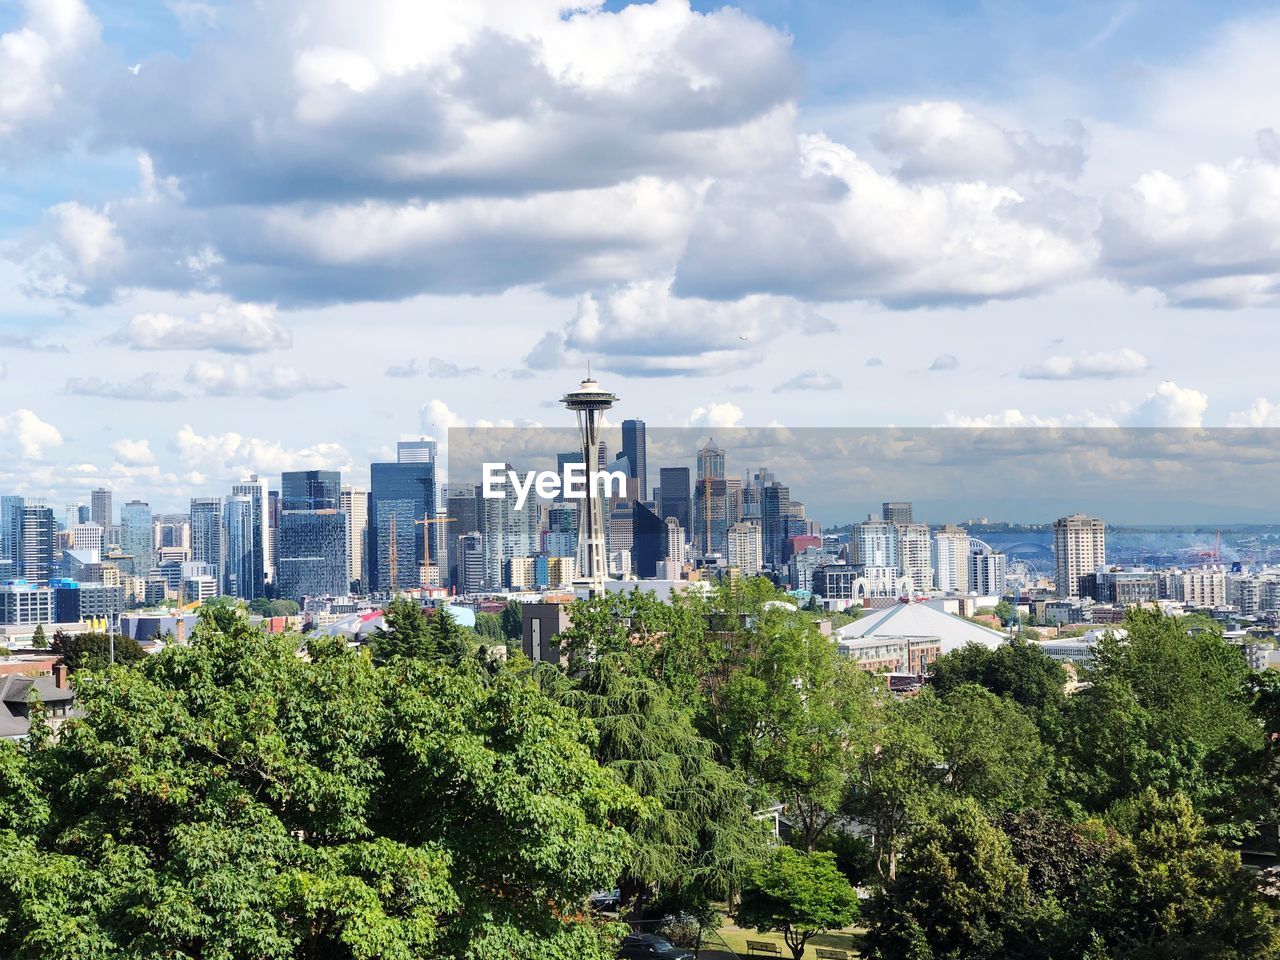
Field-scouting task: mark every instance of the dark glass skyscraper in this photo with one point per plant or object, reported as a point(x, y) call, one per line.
point(634, 449)
point(674, 488)
point(312, 561)
point(648, 540)
point(310, 490)
point(405, 491)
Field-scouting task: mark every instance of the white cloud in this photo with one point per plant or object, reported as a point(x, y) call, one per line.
point(233, 455)
point(405, 370)
point(1102, 365)
point(448, 370)
point(716, 416)
point(1170, 405)
point(1211, 238)
point(231, 328)
point(147, 387)
point(238, 379)
point(43, 74)
point(944, 361)
point(133, 453)
point(837, 228)
point(1016, 418)
point(810, 380)
point(25, 436)
point(643, 330)
point(1261, 413)
point(941, 139)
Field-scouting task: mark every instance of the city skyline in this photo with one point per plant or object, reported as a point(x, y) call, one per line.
point(174, 313)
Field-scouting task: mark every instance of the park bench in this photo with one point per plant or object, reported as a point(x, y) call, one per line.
point(825, 954)
point(756, 947)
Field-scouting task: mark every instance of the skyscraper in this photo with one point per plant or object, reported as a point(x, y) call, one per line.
point(464, 506)
point(509, 534)
point(634, 448)
point(1079, 548)
point(310, 490)
point(897, 512)
point(674, 489)
point(100, 511)
point(37, 542)
point(206, 535)
point(404, 492)
point(355, 504)
point(256, 490)
point(711, 510)
point(775, 503)
point(875, 544)
point(951, 550)
point(743, 548)
point(648, 539)
point(313, 554)
point(241, 537)
point(10, 535)
point(915, 554)
point(987, 570)
point(416, 451)
point(136, 537)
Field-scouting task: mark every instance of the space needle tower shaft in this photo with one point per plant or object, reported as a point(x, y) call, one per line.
point(589, 402)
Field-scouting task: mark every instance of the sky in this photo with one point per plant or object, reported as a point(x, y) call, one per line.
point(244, 237)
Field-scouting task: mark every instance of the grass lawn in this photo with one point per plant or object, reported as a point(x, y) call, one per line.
point(737, 938)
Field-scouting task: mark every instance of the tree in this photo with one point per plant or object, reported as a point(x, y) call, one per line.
point(1172, 892)
point(794, 717)
point(1004, 612)
point(512, 621)
point(1166, 708)
point(93, 650)
point(489, 626)
point(410, 632)
point(959, 892)
point(798, 894)
point(990, 748)
point(38, 639)
point(1019, 670)
point(233, 799)
point(695, 839)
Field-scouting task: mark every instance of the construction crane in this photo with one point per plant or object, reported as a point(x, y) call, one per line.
point(426, 541)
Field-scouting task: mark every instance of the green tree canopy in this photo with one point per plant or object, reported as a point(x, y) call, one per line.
point(409, 631)
point(93, 650)
point(1019, 670)
point(798, 894)
point(233, 799)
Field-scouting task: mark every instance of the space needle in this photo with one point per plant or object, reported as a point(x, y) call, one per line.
point(589, 402)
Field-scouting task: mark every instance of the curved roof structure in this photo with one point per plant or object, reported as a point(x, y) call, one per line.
point(916, 621)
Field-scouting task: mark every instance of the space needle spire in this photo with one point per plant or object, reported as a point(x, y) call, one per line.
point(589, 402)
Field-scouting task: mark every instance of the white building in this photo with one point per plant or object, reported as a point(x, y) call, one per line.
point(743, 548)
point(951, 552)
point(354, 502)
point(915, 555)
point(1079, 548)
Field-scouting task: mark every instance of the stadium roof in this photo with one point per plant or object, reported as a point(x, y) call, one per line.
point(917, 620)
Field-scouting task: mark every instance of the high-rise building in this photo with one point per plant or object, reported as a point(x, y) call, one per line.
point(470, 551)
point(171, 530)
point(951, 552)
point(674, 490)
point(416, 451)
point(711, 510)
point(561, 538)
point(509, 533)
point(206, 535)
point(875, 544)
point(310, 490)
point(635, 449)
point(136, 536)
point(313, 554)
point(241, 538)
point(896, 512)
point(987, 570)
point(87, 536)
point(355, 504)
point(1079, 548)
point(37, 543)
point(676, 548)
point(915, 555)
point(100, 511)
point(255, 489)
point(743, 548)
point(465, 508)
point(10, 536)
point(401, 494)
point(775, 503)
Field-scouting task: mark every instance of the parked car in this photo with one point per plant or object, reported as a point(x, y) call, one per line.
point(606, 901)
point(641, 946)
